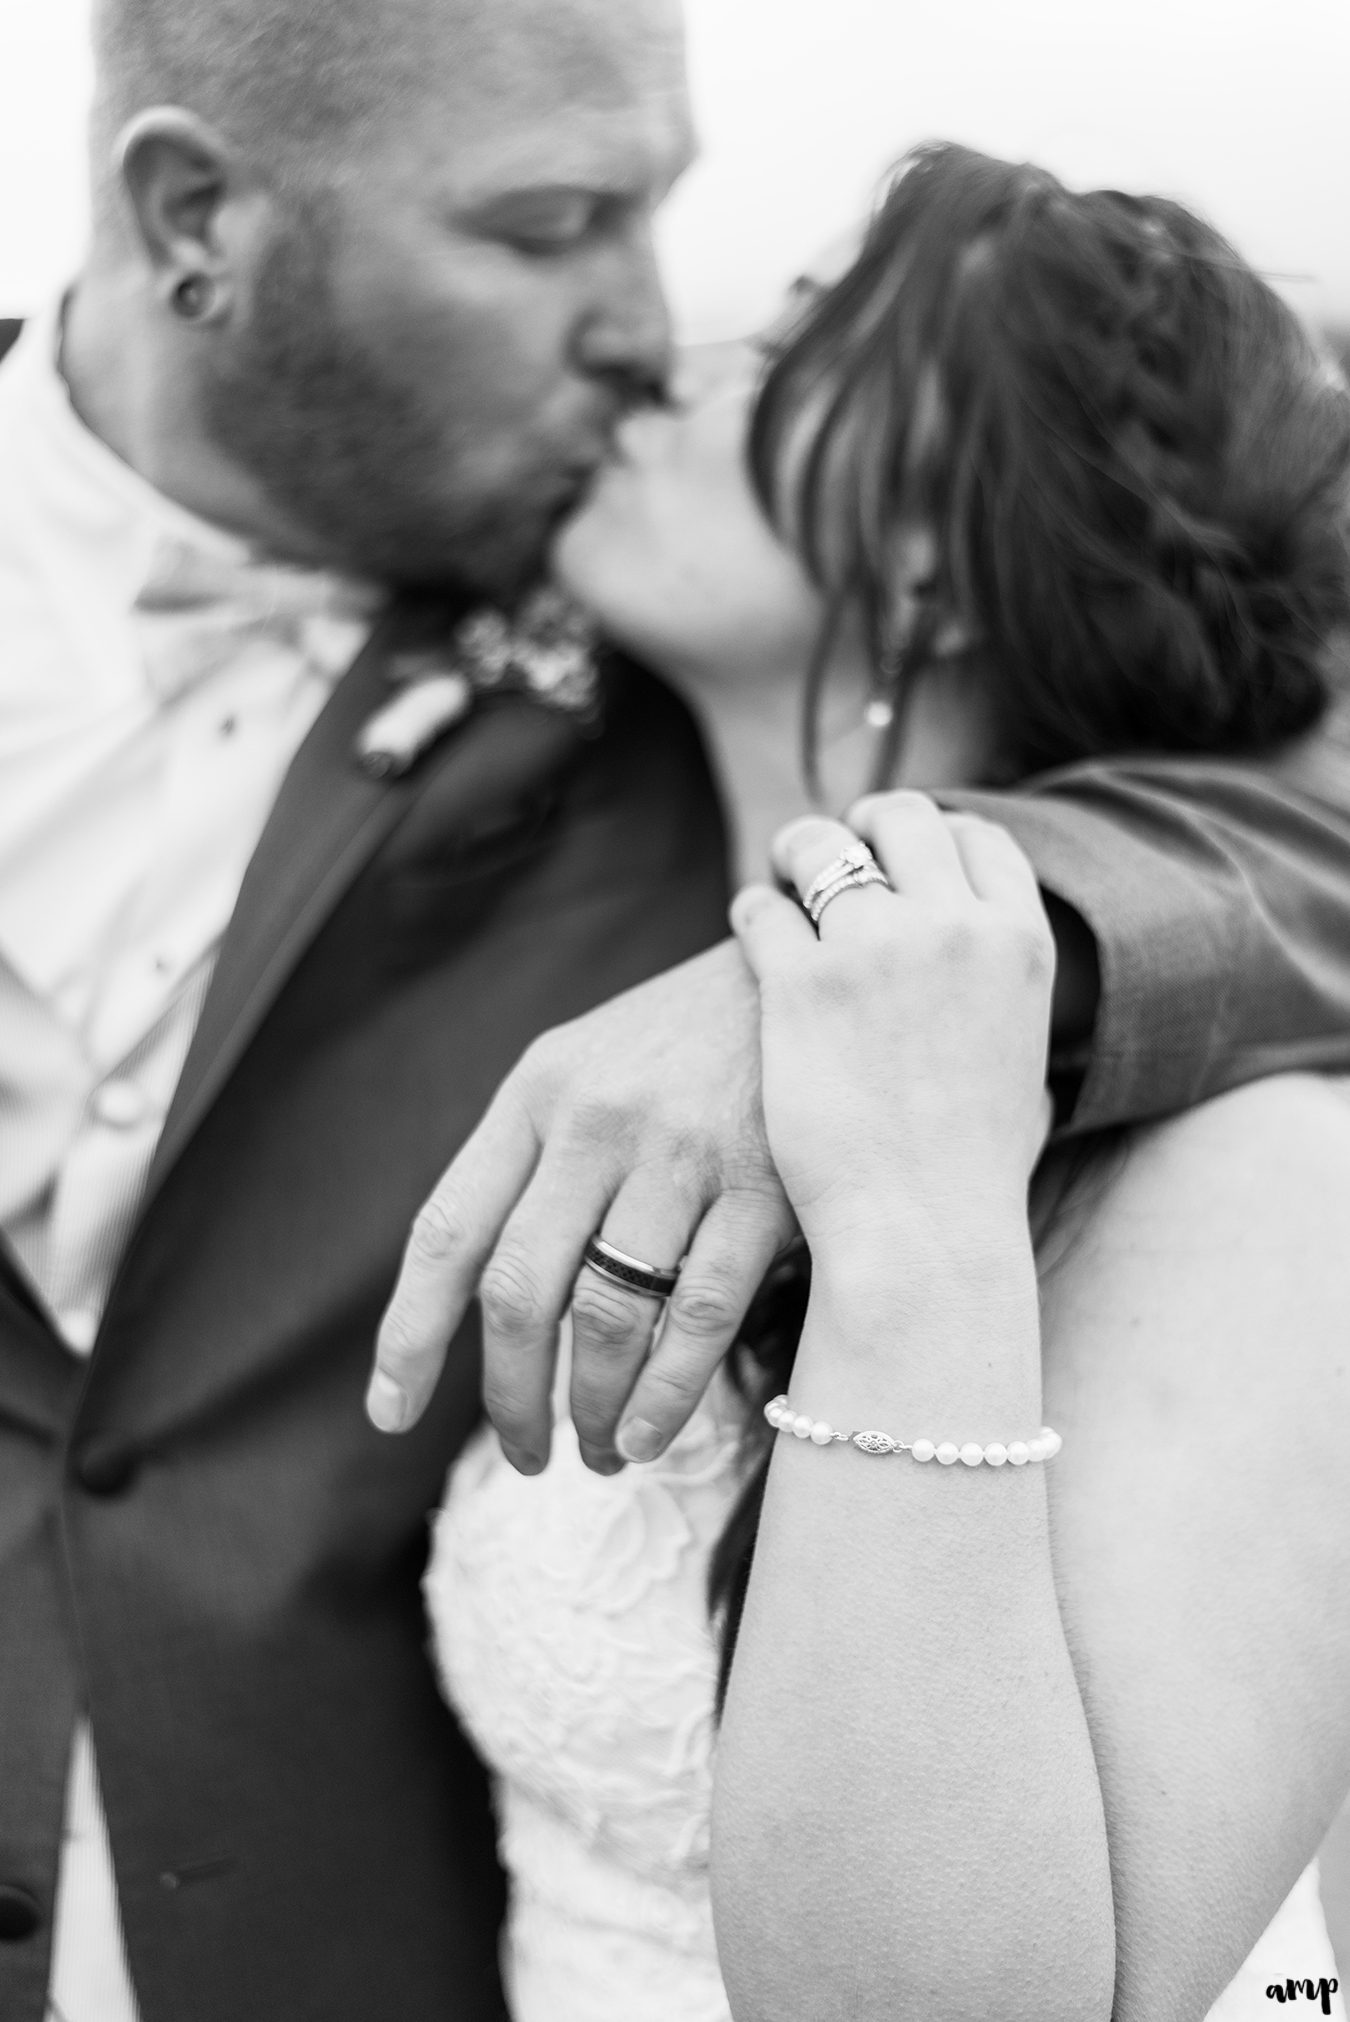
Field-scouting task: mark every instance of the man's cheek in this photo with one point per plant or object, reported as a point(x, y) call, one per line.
point(488, 384)
point(469, 353)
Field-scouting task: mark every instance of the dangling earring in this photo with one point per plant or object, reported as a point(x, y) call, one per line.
point(879, 714)
point(194, 298)
point(886, 711)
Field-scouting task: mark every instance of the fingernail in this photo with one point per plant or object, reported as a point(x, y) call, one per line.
point(637, 1440)
point(387, 1406)
point(601, 1459)
point(524, 1463)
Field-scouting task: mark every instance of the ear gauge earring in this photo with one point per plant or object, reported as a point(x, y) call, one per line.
point(194, 298)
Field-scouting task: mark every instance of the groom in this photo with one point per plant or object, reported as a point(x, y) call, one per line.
point(371, 284)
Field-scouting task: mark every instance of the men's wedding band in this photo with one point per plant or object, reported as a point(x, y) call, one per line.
point(852, 868)
point(631, 1272)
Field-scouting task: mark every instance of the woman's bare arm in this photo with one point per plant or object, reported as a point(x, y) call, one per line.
point(908, 1823)
point(1196, 1341)
point(1195, 1347)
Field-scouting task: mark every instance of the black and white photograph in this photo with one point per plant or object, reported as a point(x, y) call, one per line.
point(674, 1010)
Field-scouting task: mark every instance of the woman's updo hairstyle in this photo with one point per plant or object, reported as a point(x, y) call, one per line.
point(1133, 461)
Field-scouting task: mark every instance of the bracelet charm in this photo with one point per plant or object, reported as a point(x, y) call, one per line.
point(1016, 1453)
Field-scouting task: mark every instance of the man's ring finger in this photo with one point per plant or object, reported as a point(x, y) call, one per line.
point(649, 1279)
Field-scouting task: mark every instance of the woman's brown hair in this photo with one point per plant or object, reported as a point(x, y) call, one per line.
point(1131, 458)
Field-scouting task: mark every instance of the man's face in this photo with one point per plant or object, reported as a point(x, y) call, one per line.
point(439, 344)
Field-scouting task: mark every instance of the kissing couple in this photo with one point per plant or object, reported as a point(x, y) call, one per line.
point(913, 1580)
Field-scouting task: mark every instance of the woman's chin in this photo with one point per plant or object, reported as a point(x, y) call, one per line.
point(596, 560)
point(704, 594)
point(587, 560)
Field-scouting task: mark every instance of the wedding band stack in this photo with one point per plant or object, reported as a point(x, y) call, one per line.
point(853, 867)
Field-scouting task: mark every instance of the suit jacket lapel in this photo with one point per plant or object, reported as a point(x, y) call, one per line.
point(328, 819)
point(40, 1378)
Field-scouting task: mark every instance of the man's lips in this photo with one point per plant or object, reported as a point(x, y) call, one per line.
point(618, 446)
point(568, 495)
point(576, 481)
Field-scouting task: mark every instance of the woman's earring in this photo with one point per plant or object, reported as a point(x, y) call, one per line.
point(880, 711)
point(194, 298)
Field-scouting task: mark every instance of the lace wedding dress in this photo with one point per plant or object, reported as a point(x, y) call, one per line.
point(571, 1626)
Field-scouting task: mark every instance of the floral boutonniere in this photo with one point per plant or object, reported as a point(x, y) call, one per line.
point(546, 650)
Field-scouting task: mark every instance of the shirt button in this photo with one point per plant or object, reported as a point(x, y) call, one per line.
point(20, 1914)
point(106, 1467)
point(119, 1104)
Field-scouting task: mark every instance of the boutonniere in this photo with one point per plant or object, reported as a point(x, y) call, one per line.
point(547, 650)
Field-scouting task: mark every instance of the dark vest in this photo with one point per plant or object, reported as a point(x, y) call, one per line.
point(202, 1542)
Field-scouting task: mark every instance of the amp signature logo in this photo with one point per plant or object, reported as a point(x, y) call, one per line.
point(1306, 1990)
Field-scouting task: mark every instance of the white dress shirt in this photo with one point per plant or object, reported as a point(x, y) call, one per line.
point(155, 682)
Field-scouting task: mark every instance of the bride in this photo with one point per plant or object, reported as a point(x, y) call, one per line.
point(955, 1723)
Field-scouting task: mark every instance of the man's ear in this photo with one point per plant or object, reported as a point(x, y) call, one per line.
point(179, 176)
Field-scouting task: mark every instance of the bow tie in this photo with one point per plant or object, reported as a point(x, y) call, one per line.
point(198, 609)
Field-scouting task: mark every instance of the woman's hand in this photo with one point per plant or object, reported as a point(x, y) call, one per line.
point(904, 1048)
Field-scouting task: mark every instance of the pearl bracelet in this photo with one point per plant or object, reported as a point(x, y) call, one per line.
point(1017, 1453)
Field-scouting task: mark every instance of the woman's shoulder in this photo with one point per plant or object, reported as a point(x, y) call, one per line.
point(1280, 1145)
point(1212, 1236)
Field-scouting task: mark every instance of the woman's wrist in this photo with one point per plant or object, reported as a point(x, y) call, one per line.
point(896, 1266)
point(931, 1346)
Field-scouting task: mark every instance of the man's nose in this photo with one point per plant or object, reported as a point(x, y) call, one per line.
point(626, 338)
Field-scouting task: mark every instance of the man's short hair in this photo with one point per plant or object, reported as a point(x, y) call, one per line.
point(299, 84)
point(281, 78)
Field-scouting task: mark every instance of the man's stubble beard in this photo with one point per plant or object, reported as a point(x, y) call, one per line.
point(352, 456)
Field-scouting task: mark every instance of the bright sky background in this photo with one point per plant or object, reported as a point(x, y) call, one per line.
point(1239, 106)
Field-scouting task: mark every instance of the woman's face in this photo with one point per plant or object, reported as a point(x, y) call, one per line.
point(673, 554)
point(671, 550)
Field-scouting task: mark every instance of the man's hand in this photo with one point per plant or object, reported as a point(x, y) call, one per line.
point(641, 1122)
